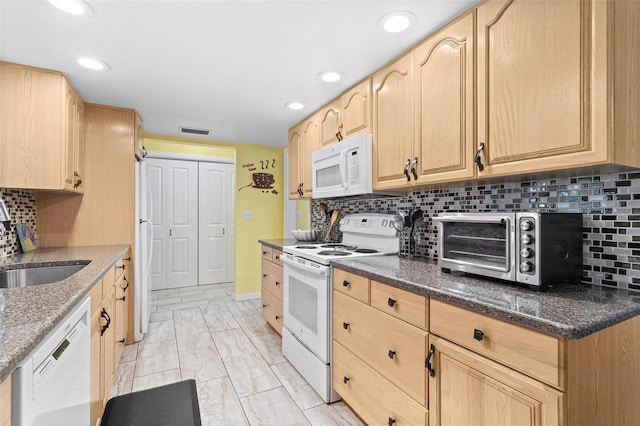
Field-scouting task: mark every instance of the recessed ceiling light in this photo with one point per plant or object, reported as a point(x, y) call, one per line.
point(330, 76)
point(93, 64)
point(294, 105)
point(396, 22)
point(74, 7)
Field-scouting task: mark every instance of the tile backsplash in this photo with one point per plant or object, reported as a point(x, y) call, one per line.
point(610, 204)
point(21, 205)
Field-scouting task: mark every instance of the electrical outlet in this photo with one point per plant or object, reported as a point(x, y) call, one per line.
point(247, 214)
point(298, 215)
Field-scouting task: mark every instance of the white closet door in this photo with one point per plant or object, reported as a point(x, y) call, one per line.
point(231, 244)
point(214, 195)
point(157, 270)
point(182, 216)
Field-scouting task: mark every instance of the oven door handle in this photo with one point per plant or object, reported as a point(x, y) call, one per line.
point(293, 264)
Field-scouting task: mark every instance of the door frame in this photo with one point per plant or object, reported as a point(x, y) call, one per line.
point(232, 203)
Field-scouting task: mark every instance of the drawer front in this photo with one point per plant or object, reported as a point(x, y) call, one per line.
point(351, 284)
point(375, 399)
point(275, 253)
point(272, 310)
point(395, 349)
point(96, 295)
point(530, 352)
point(267, 253)
point(407, 306)
point(108, 280)
point(272, 278)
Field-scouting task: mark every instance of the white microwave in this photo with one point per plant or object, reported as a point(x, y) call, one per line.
point(344, 169)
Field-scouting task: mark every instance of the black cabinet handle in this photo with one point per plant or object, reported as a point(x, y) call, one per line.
point(478, 334)
point(391, 421)
point(391, 302)
point(391, 354)
point(264, 252)
point(405, 171)
point(477, 159)
point(345, 325)
point(128, 259)
point(277, 317)
point(427, 363)
point(106, 316)
point(277, 282)
point(121, 341)
point(126, 286)
point(345, 379)
point(264, 305)
point(346, 283)
point(278, 257)
point(300, 190)
point(121, 299)
point(414, 172)
point(264, 275)
point(120, 267)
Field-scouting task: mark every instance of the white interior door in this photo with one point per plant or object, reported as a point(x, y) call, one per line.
point(214, 196)
point(182, 218)
point(157, 269)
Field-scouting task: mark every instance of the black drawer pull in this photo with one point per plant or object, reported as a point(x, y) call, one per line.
point(264, 305)
point(264, 275)
point(345, 379)
point(391, 421)
point(345, 325)
point(106, 316)
point(121, 341)
point(277, 317)
point(278, 257)
point(128, 259)
point(391, 354)
point(264, 252)
point(478, 334)
point(427, 363)
point(121, 299)
point(120, 267)
point(277, 283)
point(391, 302)
point(346, 283)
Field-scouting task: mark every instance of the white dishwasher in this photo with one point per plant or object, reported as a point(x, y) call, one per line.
point(52, 386)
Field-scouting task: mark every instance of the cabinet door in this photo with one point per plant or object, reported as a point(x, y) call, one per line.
point(310, 143)
point(355, 111)
point(71, 115)
point(330, 123)
point(108, 345)
point(541, 67)
point(295, 177)
point(468, 389)
point(444, 71)
point(393, 123)
point(97, 372)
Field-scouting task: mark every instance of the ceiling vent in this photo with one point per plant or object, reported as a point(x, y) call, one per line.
point(192, 131)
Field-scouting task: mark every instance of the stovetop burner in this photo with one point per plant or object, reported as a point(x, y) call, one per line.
point(339, 246)
point(364, 250)
point(334, 253)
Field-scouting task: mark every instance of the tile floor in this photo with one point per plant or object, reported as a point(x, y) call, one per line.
point(242, 378)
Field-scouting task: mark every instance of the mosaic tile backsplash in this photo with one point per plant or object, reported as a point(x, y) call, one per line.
point(22, 209)
point(610, 205)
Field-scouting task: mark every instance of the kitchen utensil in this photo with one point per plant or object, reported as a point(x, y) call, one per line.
point(418, 214)
point(405, 218)
point(323, 209)
point(334, 219)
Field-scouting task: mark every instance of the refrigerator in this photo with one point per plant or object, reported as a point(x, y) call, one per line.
point(143, 251)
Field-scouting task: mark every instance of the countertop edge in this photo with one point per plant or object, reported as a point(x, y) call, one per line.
point(21, 352)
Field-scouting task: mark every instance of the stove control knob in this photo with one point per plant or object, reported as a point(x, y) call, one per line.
point(344, 221)
point(526, 225)
point(526, 253)
point(526, 267)
point(526, 239)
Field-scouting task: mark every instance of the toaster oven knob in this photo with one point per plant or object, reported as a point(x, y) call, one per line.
point(526, 225)
point(526, 253)
point(526, 239)
point(526, 267)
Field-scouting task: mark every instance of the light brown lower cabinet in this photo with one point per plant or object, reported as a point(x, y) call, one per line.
point(109, 321)
point(272, 283)
point(5, 402)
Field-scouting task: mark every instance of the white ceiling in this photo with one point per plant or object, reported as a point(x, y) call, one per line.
point(229, 66)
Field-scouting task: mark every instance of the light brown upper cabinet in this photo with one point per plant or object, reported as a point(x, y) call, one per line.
point(556, 86)
point(356, 108)
point(393, 94)
point(42, 132)
point(348, 115)
point(444, 132)
point(304, 139)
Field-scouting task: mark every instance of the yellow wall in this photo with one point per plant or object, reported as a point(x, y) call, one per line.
point(266, 205)
point(303, 208)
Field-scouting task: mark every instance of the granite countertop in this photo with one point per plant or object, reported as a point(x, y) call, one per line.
point(28, 314)
point(571, 311)
point(278, 244)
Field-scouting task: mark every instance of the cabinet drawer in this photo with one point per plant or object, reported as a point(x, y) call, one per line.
point(272, 278)
point(395, 349)
point(351, 284)
point(272, 310)
point(376, 400)
point(407, 306)
point(267, 253)
point(530, 352)
point(275, 253)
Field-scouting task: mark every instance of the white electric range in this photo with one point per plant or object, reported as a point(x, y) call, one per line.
point(307, 331)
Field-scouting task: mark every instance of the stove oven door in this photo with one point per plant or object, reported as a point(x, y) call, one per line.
point(306, 304)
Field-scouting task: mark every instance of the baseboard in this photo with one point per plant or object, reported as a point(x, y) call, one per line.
point(247, 296)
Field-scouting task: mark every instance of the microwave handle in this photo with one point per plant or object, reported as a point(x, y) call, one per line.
point(343, 168)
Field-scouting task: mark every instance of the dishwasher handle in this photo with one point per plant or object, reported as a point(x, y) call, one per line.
point(106, 316)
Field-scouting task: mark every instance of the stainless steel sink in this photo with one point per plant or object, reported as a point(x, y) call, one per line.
point(38, 275)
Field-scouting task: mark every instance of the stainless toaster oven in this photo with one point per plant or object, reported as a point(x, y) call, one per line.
point(536, 249)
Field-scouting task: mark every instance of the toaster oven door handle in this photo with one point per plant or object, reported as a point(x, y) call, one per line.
point(490, 219)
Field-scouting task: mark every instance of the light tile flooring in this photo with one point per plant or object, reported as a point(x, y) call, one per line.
point(242, 378)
